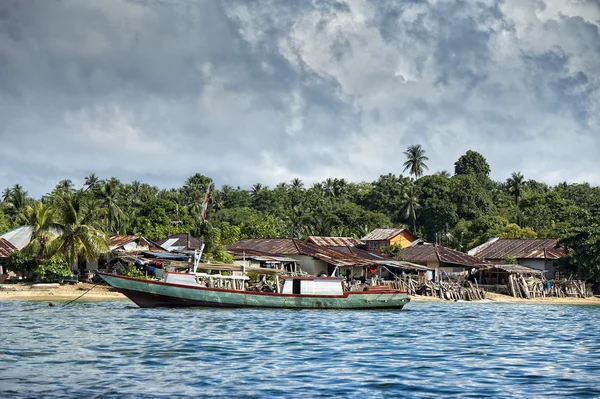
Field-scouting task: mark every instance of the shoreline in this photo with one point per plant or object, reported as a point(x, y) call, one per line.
point(29, 292)
point(500, 298)
point(67, 292)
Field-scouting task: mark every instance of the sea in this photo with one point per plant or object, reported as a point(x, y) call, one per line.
point(113, 349)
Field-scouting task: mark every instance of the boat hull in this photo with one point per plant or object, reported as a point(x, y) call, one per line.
point(150, 294)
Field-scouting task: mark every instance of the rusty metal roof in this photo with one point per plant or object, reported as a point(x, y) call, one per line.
point(273, 246)
point(427, 252)
point(334, 241)
point(520, 248)
point(513, 269)
point(6, 248)
point(121, 240)
point(383, 234)
point(287, 246)
point(183, 240)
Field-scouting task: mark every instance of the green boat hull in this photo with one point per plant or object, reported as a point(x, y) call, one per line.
point(150, 293)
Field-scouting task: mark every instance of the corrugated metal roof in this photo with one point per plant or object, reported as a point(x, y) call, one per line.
point(119, 241)
point(382, 234)
point(513, 269)
point(286, 246)
point(334, 241)
point(520, 248)
point(273, 246)
point(6, 248)
point(426, 252)
point(181, 240)
point(19, 237)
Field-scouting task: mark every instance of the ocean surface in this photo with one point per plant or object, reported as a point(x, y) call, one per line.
point(474, 350)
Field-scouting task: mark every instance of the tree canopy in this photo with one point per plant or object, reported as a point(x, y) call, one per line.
point(459, 211)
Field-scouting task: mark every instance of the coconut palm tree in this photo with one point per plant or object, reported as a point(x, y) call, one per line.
point(91, 182)
point(415, 160)
point(515, 184)
point(77, 239)
point(109, 196)
point(297, 183)
point(41, 218)
point(410, 205)
point(256, 189)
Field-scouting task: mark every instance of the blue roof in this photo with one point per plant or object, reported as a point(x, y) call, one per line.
point(162, 255)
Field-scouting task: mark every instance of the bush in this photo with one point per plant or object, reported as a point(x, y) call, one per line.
point(54, 270)
point(510, 260)
point(132, 271)
point(20, 262)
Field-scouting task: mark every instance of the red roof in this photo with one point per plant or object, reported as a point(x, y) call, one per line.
point(520, 248)
point(6, 248)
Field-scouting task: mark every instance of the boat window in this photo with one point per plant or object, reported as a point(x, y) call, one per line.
point(296, 286)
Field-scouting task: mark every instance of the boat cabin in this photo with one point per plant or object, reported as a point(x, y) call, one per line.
point(306, 285)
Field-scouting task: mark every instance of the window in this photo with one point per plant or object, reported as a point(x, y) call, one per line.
point(372, 244)
point(383, 244)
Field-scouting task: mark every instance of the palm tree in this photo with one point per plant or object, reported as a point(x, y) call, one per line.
point(415, 160)
point(6, 195)
point(410, 205)
point(77, 240)
point(91, 182)
point(108, 196)
point(329, 187)
point(297, 183)
point(41, 218)
point(256, 189)
point(515, 185)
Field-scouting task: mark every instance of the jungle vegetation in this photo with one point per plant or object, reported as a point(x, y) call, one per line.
point(458, 210)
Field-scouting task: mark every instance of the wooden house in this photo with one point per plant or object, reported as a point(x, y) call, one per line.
point(379, 239)
point(538, 253)
point(444, 260)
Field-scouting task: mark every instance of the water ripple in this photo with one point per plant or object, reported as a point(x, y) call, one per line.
point(111, 349)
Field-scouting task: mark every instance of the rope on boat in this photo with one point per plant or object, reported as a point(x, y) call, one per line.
point(70, 302)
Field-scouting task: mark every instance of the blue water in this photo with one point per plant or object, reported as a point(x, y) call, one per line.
point(114, 349)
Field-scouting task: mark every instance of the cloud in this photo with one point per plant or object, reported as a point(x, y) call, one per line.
point(266, 91)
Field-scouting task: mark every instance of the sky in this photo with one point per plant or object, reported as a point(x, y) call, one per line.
point(267, 91)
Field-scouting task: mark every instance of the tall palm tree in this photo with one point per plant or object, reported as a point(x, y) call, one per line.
point(296, 183)
point(91, 182)
point(329, 187)
point(77, 240)
point(410, 205)
point(415, 160)
point(515, 185)
point(41, 218)
point(256, 189)
point(108, 196)
point(6, 194)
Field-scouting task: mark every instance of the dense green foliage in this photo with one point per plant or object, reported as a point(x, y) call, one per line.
point(21, 262)
point(458, 211)
point(53, 270)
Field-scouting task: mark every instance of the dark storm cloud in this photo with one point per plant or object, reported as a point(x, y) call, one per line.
point(269, 90)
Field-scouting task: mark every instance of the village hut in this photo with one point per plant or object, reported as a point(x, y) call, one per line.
point(539, 253)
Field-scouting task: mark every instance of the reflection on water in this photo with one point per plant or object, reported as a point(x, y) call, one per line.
point(111, 349)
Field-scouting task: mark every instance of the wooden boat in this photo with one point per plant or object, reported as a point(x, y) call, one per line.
point(298, 292)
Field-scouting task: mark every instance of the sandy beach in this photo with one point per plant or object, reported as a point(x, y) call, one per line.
point(493, 297)
point(21, 292)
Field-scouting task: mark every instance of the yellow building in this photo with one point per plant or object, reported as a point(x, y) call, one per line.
point(379, 239)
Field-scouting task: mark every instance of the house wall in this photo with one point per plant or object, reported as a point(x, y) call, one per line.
point(540, 264)
point(403, 239)
point(312, 266)
point(91, 265)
